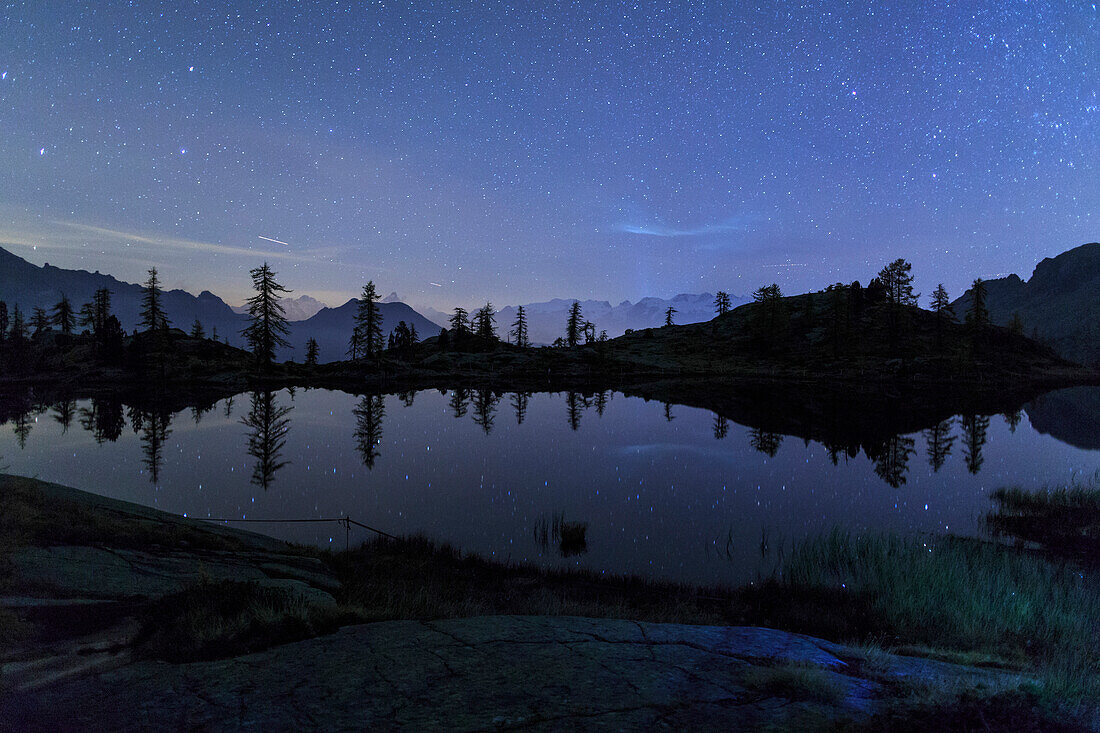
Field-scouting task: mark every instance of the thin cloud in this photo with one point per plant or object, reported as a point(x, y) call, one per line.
point(738, 223)
point(186, 245)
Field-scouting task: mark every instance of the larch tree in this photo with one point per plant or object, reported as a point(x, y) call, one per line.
point(18, 326)
point(897, 282)
point(267, 328)
point(519, 328)
point(63, 316)
point(574, 325)
point(368, 321)
point(153, 317)
point(40, 321)
point(941, 303)
point(722, 303)
point(484, 322)
point(460, 323)
point(897, 279)
point(978, 315)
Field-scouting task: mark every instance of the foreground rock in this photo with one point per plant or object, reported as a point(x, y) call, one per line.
point(503, 672)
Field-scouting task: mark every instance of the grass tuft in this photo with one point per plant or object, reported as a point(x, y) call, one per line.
point(211, 620)
point(795, 682)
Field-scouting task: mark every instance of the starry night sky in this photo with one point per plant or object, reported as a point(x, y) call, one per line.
point(517, 153)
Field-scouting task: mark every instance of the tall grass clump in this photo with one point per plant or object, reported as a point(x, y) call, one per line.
point(1063, 521)
point(965, 595)
point(214, 619)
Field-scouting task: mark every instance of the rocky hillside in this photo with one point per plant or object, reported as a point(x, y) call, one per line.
point(1059, 305)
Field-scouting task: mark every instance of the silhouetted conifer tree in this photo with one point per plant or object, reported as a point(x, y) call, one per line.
point(721, 427)
point(368, 321)
point(722, 303)
point(770, 316)
point(402, 337)
point(63, 316)
point(897, 284)
point(669, 313)
point(355, 343)
point(460, 324)
point(40, 321)
point(197, 331)
point(5, 320)
point(153, 317)
point(574, 325)
point(484, 320)
point(267, 328)
point(311, 352)
point(519, 328)
point(18, 326)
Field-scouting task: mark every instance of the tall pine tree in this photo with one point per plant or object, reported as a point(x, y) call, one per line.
point(519, 328)
point(574, 325)
point(267, 328)
point(368, 321)
point(153, 317)
point(63, 316)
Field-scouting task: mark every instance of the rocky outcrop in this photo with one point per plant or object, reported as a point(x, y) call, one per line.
point(505, 672)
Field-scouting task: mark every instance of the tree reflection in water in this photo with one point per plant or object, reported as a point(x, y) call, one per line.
point(766, 442)
point(64, 412)
point(368, 427)
point(268, 426)
point(103, 419)
point(974, 437)
point(892, 462)
point(485, 405)
point(519, 404)
point(939, 440)
point(574, 402)
point(153, 426)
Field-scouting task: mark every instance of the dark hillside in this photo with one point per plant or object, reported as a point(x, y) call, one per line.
point(842, 333)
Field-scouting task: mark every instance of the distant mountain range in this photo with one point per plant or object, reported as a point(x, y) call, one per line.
point(546, 320)
point(28, 286)
point(1059, 305)
point(297, 309)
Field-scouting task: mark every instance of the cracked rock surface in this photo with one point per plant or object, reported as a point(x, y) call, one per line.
point(490, 673)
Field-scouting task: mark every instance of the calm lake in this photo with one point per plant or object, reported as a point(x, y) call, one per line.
point(604, 481)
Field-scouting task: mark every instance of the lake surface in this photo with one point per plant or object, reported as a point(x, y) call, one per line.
point(606, 482)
